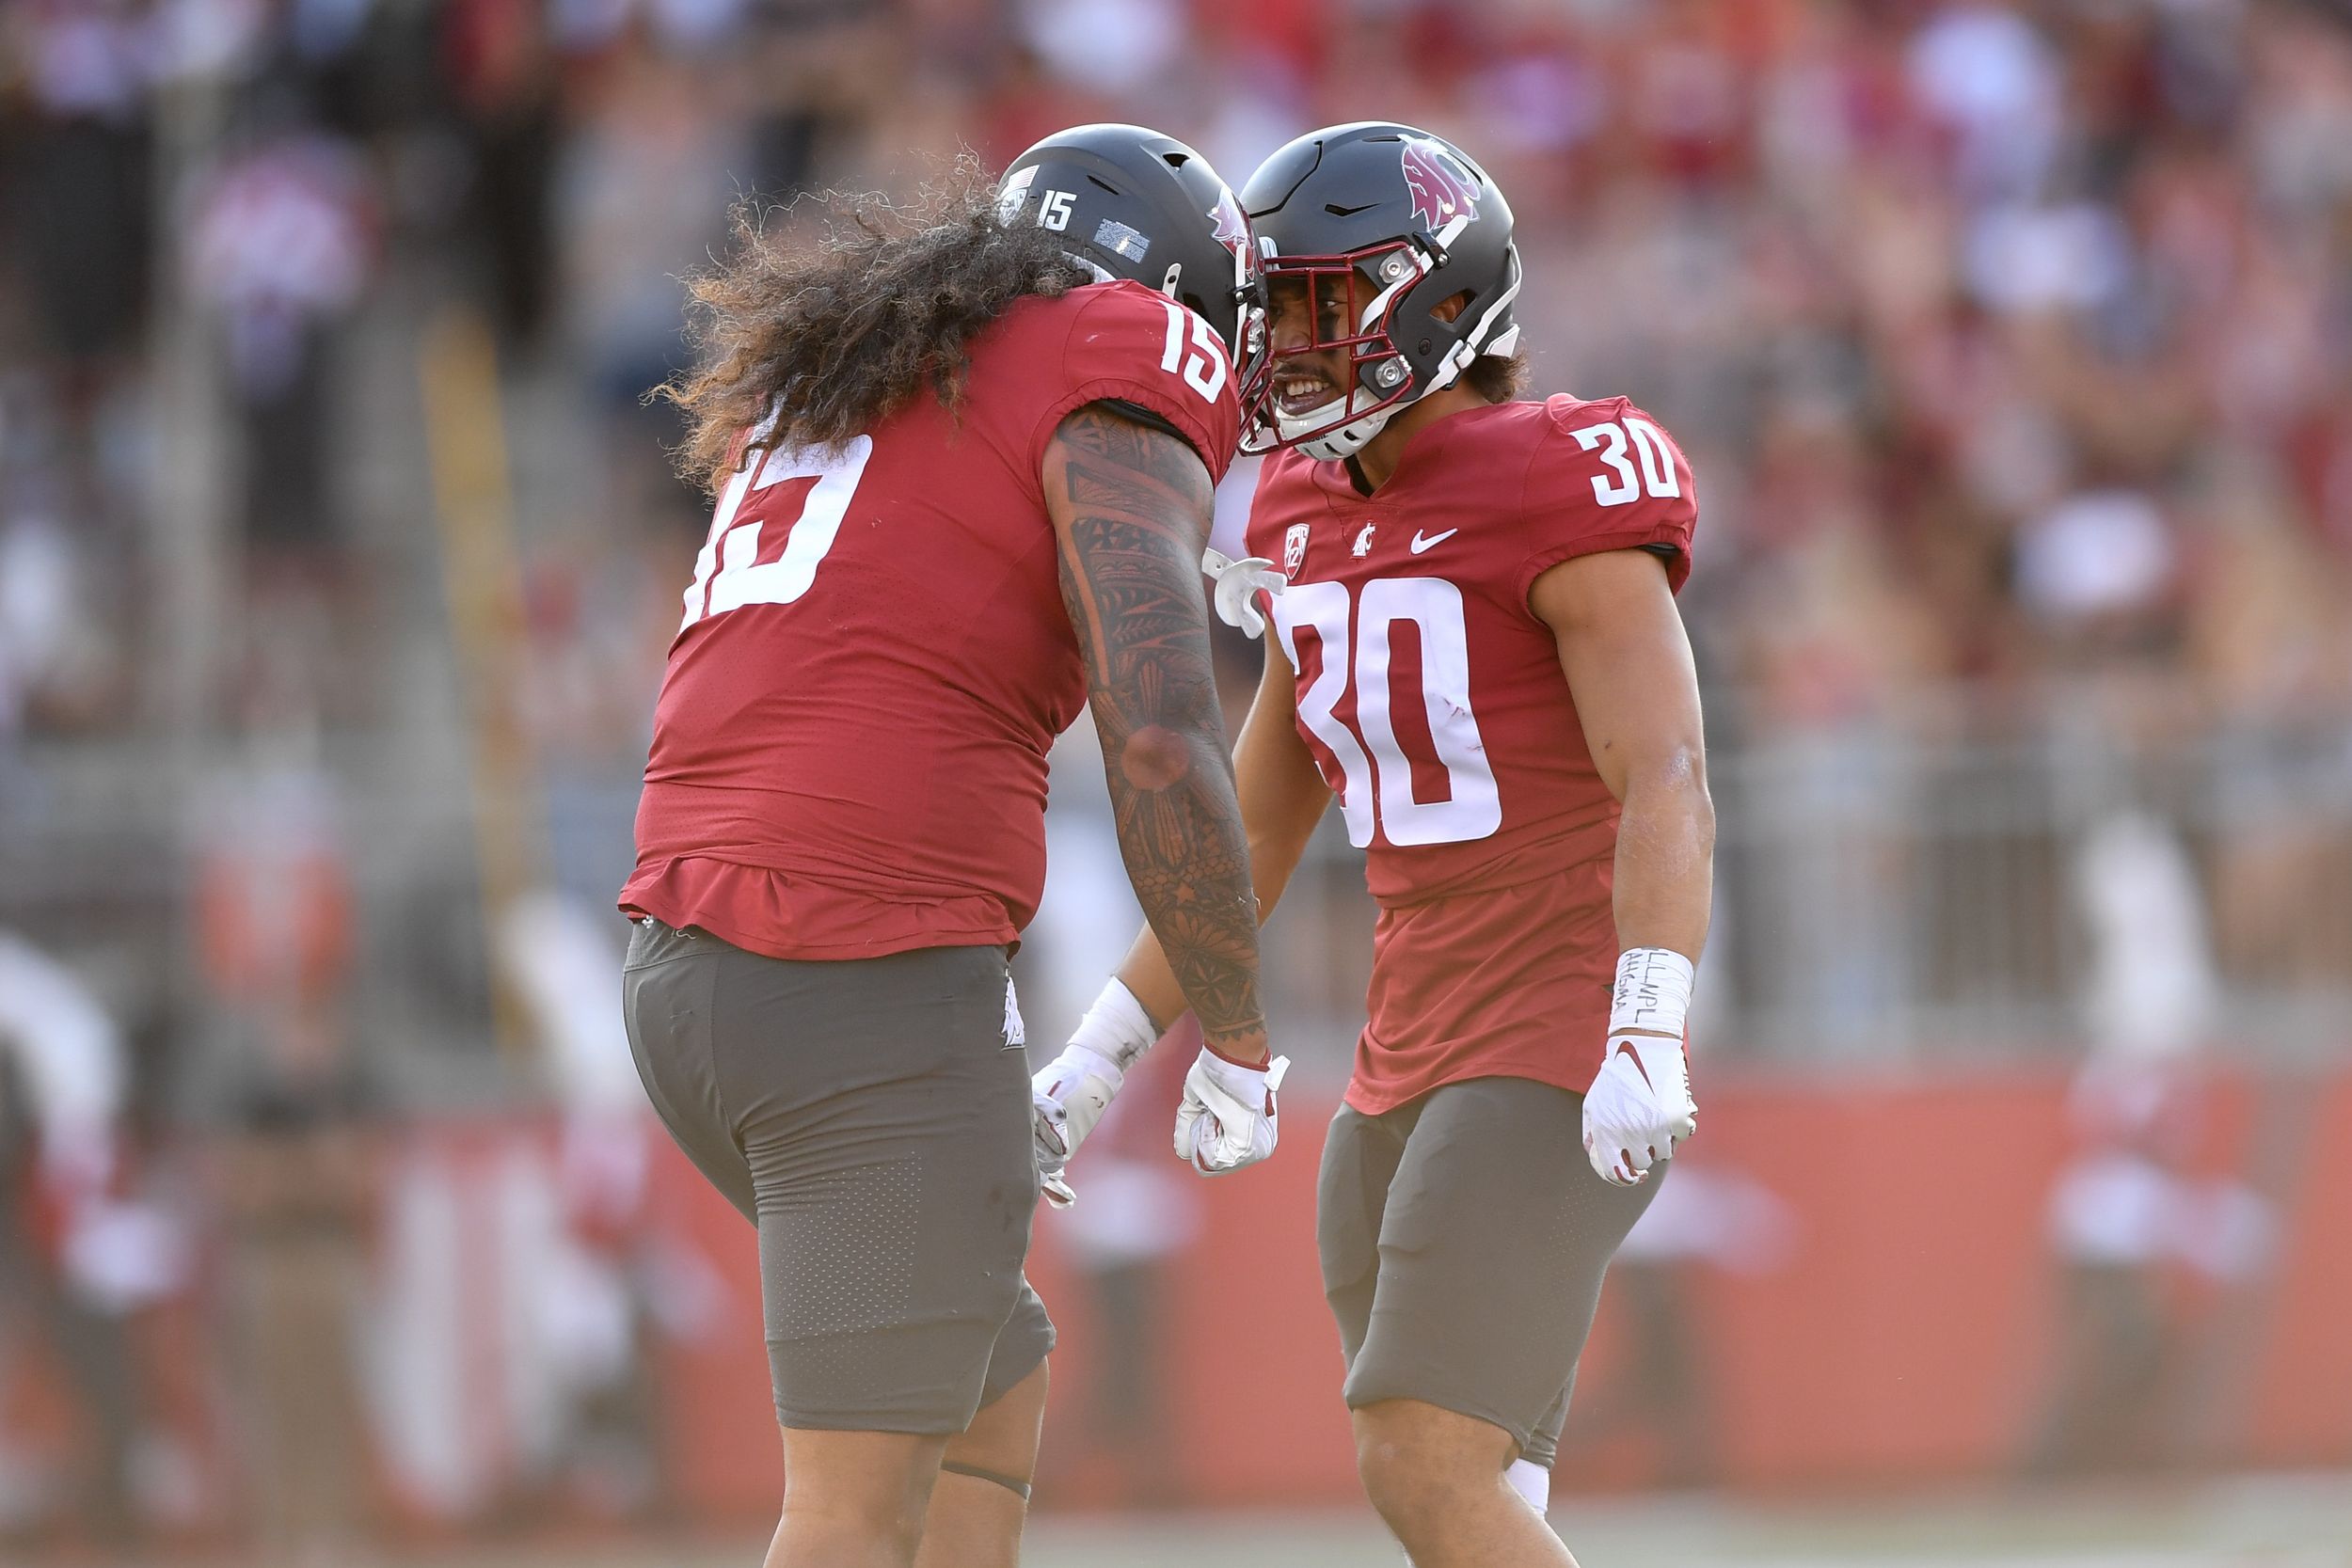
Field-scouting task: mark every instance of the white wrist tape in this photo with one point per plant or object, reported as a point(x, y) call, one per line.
point(1653, 991)
point(1116, 1026)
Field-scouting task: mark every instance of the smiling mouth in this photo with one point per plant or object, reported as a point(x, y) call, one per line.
point(1295, 393)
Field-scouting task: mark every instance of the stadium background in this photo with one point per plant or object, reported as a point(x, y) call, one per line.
point(338, 552)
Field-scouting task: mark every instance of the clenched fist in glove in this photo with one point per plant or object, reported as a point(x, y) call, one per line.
point(1069, 1094)
point(1640, 1105)
point(1228, 1118)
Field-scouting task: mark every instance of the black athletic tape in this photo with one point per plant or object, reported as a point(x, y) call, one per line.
point(1019, 1487)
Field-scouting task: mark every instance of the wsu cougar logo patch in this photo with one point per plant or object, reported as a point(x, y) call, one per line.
point(1443, 189)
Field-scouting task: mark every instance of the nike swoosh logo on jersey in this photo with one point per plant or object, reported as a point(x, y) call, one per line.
point(1421, 543)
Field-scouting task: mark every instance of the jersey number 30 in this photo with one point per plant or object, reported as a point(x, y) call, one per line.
point(1374, 767)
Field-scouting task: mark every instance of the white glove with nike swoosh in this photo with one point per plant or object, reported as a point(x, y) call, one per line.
point(1238, 585)
point(1069, 1094)
point(1640, 1105)
point(1227, 1119)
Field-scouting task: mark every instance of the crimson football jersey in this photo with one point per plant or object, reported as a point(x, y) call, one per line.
point(1433, 701)
point(849, 751)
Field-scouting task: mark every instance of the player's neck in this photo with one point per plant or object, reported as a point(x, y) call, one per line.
point(1374, 465)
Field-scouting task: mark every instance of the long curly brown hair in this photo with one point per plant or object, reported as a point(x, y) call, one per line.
point(834, 335)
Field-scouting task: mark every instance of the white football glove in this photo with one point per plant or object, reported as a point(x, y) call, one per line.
point(1238, 585)
point(1227, 1119)
point(1069, 1094)
point(1638, 1107)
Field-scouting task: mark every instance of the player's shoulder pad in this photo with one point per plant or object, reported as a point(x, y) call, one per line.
point(1121, 307)
point(1131, 346)
point(1611, 459)
point(1094, 323)
point(1603, 475)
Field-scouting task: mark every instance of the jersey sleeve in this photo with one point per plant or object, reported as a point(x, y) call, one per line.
point(1605, 476)
point(1128, 344)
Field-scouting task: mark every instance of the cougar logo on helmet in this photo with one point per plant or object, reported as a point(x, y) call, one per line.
point(1232, 230)
point(1014, 191)
point(1443, 189)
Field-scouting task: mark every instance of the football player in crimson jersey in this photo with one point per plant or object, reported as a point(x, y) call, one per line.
point(1477, 647)
point(963, 470)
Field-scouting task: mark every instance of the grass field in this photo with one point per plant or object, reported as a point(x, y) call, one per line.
point(2265, 1521)
point(2305, 1522)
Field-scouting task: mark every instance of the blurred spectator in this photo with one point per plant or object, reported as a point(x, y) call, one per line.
point(274, 914)
point(79, 1251)
point(597, 1303)
point(2149, 992)
point(2129, 1219)
point(502, 73)
point(274, 917)
point(43, 643)
point(280, 240)
point(77, 160)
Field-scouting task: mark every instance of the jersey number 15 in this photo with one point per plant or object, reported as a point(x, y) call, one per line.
point(770, 556)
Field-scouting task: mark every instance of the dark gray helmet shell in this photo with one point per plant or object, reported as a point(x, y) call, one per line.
point(1135, 204)
point(1356, 191)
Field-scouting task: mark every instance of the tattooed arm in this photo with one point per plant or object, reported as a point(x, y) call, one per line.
point(1131, 513)
point(1282, 798)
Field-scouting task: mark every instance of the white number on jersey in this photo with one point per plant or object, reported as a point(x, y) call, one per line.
point(729, 573)
point(1376, 777)
point(1204, 367)
point(1658, 460)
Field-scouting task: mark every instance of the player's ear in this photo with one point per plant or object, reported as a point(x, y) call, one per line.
point(1451, 305)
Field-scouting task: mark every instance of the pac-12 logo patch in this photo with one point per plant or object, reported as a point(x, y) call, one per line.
point(1294, 550)
point(1443, 189)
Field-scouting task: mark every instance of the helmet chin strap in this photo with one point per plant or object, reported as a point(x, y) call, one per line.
point(1353, 436)
point(1345, 441)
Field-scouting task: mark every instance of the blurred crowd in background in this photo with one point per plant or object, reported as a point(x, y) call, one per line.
point(339, 548)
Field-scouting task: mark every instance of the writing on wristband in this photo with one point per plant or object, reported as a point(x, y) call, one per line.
point(1653, 991)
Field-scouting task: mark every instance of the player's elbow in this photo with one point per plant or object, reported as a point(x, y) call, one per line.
point(1671, 787)
point(1156, 758)
point(1163, 724)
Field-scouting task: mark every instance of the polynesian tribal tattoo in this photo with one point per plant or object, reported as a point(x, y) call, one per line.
point(1138, 503)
